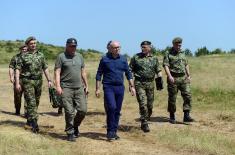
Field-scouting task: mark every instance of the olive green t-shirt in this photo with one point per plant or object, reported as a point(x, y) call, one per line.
point(71, 66)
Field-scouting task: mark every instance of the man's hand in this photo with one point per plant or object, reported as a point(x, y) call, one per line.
point(18, 87)
point(12, 79)
point(97, 93)
point(132, 90)
point(171, 79)
point(59, 90)
point(188, 79)
point(49, 83)
point(86, 91)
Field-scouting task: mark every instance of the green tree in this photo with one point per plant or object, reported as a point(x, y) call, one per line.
point(202, 51)
point(217, 51)
point(188, 52)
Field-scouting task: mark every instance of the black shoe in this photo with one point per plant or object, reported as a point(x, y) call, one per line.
point(145, 127)
point(35, 127)
point(111, 136)
point(17, 112)
point(150, 111)
point(172, 118)
point(71, 138)
point(76, 132)
point(116, 137)
point(187, 117)
point(60, 112)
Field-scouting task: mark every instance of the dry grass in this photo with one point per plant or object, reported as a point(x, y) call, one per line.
point(212, 134)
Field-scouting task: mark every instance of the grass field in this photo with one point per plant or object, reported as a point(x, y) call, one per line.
point(213, 133)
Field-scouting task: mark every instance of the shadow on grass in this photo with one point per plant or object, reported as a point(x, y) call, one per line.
point(51, 113)
point(94, 135)
point(95, 113)
point(13, 123)
point(128, 128)
point(8, 112)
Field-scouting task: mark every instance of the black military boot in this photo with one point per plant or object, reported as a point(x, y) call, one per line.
point(60, 111)
point(150, 111)
point(35, 127)
point(17, 112)
point(145, 127)
point(71, 138)
point(76, 132)
point(172, 118)
point(187, 117)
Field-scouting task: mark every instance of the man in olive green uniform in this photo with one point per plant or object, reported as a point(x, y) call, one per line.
point(176, 66)
point(145, 67)
point(29, 69)
point(17, 95)
point(71, 84)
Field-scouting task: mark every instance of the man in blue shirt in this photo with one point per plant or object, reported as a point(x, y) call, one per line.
point(112, 67)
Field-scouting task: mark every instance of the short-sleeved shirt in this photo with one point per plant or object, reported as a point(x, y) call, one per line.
point(176, 61)
point(112, 69)
point(31, 65)
point(71, 66)
point(13, 61)
point(144, 67)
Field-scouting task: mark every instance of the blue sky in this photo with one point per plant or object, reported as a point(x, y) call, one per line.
point(209, 23)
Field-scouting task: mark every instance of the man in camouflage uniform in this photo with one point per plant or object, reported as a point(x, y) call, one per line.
point(176, 66)
point(71, 83)
point(17, 95)
point(145, 66)
point(29, 68)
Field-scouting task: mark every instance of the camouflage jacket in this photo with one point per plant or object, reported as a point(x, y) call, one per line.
point(31, 65)
point(14, 60)
point(144, 67)
point(175, 61)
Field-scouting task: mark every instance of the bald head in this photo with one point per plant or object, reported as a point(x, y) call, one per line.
point(114, 44)
point(114, 48)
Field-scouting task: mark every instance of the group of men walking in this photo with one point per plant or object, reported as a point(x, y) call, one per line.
point(27, 67)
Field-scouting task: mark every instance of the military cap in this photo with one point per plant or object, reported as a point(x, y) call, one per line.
point(29, 39)
point(22, 46)
point(177, 40)
point(145, 43)
point(71, 41)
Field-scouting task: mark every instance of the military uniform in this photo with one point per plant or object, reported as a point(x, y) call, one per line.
point(31, 66)
point(144, 69)
point(17, 94)
point(176, 61)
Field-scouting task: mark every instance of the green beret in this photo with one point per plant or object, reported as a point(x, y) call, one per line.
point(145, 43)
point(29, 39)
point(22, 46)
point(177, 40)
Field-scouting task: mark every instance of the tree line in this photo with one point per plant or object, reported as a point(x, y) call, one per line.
point(199, 52)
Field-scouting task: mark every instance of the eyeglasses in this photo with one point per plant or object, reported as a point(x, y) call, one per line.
point(72, 46)
point(116, 47)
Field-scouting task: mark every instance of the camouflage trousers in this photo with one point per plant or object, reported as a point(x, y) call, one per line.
point(184, 86)
point(145, 98)
point(32, 91)
point(17, 100)
point(75, 107)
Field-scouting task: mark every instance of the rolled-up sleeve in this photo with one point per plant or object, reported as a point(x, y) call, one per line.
point(100, 70)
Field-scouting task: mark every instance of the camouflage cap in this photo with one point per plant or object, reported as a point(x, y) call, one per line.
point(29, 39)
point(71, 41)
point(177, 40)
point(145, 43)
point(22, 46)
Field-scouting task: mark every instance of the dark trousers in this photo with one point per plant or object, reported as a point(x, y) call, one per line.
point(113, 97)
